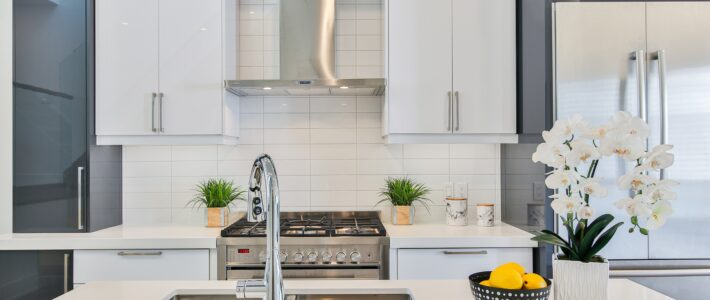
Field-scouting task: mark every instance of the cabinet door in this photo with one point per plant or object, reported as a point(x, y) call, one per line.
point(443, 264)
point(34, 275)
point(419, 66)
point(484, 66)
point(126, 66)
point(191, 66)
point(111, 265)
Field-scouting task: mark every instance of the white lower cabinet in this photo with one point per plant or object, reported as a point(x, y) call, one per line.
point(458, 263)
point(108, 265)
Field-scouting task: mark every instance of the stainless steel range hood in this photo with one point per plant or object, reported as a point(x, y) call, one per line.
point(307, 62)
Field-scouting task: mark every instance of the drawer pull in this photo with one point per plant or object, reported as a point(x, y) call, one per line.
point(156, 253)
point(482, 252)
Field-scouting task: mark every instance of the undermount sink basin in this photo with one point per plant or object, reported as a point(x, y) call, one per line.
point(301, 297)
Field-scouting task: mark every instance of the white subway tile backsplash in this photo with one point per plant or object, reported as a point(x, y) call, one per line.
point(251, 58)
point(279, 152)
point(251, 43)
point(251, 12)
point(235, 167)
point(426, 166)
point(146, 200)
point(379, 166)
point(346, 27)
point(295, 183)
point(369, 104)
point(241, 152)
point(379, 151)
point(333, 104)
point(369, 58)
point(286, 121)
point(333, 120)
point(251, 27)
point(286, 104)
point(333, 167)
point(333, 182)
point(286, 136)
point(368, 42)
point(347, 42)
point(333, 136)
point(333, 198)
point(146, 184)
point(346, 11)
point(426, 151)
point(475, 166)
point(251, 121)
point(153, 216)
point(369, 12)
point(147, 153)
point(146, 169)
point(333, 151)
point(369, 120)
point(369, 136)
point(271, 27)
point(271, 12)
point(368, 27)
point(194, 152)
point(251, 73)
point(194, 168)
point(346, 58)
point(473, 151)
point(293, 167)
point(296, 200)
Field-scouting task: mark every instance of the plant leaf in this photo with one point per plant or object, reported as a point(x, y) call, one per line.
point(602, 241)
point(594, 229)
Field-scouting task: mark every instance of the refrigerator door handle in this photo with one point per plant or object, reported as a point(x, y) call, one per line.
point(660, 56)
point(640, 57)
point(659, 273)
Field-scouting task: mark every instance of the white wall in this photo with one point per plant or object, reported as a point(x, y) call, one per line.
point(5, 116)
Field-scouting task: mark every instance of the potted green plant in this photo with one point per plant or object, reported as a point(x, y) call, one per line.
point(402, 193)
point(217, 195)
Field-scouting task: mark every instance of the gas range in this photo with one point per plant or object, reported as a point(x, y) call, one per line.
point(318, 245)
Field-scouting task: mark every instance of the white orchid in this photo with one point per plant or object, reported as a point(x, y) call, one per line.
point(591, 187)
point(628, 148)
point(659, 212)
point(659, 158)
point(582, 152)
point(564, 204)
point(574, 150)
point(635, 181)
point(560, 179)
point(634, 207)
point(585, 212)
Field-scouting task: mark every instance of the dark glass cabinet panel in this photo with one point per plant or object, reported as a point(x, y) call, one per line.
point(35, 275)
point(56, 160)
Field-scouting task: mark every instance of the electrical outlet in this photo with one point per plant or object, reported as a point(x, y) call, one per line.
point(539, 190)
point(448, 189)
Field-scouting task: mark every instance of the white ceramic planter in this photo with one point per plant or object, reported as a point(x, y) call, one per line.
point(575, 280)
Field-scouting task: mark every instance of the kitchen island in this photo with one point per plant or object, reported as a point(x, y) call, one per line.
point(418, 289)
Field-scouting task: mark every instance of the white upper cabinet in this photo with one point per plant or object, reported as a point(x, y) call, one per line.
point(419, 60)
point(159, 73)
point(484, 66)
point(450, 71)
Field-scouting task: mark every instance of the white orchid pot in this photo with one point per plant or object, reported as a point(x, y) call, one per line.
point(574, 280)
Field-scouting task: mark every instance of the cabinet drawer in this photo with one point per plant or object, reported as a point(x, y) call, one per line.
point(104, 265)
point(456, 263)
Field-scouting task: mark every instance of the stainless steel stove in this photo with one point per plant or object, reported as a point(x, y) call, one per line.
point(314, 245)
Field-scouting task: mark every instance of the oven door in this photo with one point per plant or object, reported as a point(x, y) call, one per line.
point(305, 271)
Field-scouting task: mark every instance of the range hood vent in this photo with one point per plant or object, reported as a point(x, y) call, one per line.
point(307, 57)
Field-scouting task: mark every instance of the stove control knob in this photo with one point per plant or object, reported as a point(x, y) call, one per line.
point(283, 256)
point(355, 256)
point(298, 257)
point(327, 256)
point(312, 256)
point(340, 257)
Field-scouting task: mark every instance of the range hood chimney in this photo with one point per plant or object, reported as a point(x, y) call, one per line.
point(307, 62)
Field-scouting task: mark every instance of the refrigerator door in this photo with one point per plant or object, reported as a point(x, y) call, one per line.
point(596, 76)
point(680, 30)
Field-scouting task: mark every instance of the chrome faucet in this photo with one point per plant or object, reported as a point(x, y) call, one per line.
point(264, 205)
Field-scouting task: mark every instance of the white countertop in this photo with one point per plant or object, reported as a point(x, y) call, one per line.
point(428, 235)
point(118, 237)
point(421, 235)
point(621, 289)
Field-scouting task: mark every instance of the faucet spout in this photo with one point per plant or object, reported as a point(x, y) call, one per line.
point(264, 204)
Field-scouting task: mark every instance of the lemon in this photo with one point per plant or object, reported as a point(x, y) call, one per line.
point(533, 281)
point(485, 283)
point(514, 266)
point(506, 278)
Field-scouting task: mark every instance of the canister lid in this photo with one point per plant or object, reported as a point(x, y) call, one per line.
point(455, 198)
point(485, 204)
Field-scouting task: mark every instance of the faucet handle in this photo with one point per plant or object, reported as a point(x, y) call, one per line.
point(251, 286)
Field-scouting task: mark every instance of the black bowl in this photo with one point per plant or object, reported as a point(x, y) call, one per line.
point(482, 292)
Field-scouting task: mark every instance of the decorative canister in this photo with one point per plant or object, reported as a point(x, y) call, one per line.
point(456, 211)
point(486, 214)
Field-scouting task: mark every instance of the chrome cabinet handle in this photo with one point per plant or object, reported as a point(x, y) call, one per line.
point(450, 122)
point(160, 103)
point(481, 252)
point(66, 272)
point(663, 91)
point(456, 94)
point(640, 57)
point(659, 273)
point(152, 112)
point(79, 197)
point(154, 253)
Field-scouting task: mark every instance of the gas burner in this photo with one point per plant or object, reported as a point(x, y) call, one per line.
point(314, 224)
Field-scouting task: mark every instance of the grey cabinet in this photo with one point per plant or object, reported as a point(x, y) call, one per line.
point(35, 275)
point(62, 181)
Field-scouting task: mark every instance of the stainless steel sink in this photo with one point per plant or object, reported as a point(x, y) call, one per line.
point(302, 297)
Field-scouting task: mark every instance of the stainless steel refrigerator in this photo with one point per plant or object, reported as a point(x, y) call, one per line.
point(651, 59)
